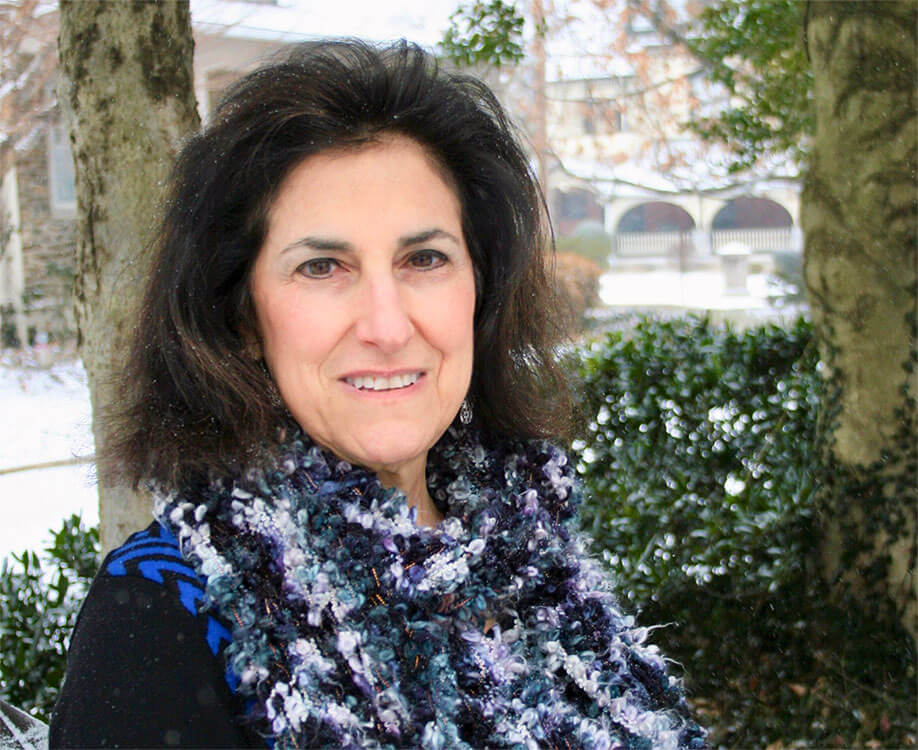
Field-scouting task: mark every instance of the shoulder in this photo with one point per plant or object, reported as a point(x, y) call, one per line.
point(154, 556)
point(145, 664)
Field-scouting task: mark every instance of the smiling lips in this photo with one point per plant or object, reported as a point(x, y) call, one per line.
point(382, 382)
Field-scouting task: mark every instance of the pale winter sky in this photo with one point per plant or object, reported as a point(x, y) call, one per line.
point(572, 48)
point(422, 21)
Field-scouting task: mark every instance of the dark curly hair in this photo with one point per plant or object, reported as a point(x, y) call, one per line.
point(197, 402)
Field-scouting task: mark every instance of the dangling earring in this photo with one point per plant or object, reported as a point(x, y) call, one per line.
point(465, 412)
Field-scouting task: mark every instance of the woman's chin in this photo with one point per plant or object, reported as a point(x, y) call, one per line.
point(384, 451)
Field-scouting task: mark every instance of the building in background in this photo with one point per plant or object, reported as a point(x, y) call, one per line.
point(37, 198)
point(623, 157)
point(620, 162)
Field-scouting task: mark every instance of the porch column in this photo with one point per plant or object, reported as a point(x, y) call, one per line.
point(12, 274)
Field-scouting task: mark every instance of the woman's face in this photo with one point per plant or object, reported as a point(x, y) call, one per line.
point(364, 297)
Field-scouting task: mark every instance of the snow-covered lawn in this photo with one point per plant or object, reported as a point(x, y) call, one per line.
point(704, 290)
point(44, 416)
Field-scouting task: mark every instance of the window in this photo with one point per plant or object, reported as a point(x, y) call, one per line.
point(601, 116)
point(574, 205)
point(61, 182)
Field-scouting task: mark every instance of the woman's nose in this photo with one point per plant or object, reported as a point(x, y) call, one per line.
point(383, 318)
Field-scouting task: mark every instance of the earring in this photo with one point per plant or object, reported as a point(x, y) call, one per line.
point(465, 412)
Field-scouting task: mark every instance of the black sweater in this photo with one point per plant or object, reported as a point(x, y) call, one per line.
point(145, 669)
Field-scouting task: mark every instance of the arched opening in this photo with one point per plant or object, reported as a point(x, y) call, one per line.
point(752, 213)
point(656, 216)
point(654, 229)
point(760, 223)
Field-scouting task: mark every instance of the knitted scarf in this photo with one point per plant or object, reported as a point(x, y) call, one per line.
point(355, 628)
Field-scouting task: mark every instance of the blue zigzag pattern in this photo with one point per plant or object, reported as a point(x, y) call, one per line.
point(154, 554)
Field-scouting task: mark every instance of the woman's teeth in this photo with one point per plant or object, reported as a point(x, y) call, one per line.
point(376, 383)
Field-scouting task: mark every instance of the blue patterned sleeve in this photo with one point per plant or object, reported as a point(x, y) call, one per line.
point(145, 666)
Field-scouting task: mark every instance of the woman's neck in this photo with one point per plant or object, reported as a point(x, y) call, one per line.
point(415, 488)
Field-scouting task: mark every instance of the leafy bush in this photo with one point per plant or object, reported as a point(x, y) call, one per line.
point(702, 458)
point(39, 601)
point(588, 240)
point(697, 454)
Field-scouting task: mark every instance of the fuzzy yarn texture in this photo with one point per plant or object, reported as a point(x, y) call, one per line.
point(356, 628)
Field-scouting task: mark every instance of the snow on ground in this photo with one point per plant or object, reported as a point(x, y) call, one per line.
point(705, 290)
point(44, 416)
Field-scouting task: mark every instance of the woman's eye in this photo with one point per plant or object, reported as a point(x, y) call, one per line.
point(426, 259)
point(317, 268)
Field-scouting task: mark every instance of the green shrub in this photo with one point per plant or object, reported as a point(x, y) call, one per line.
point(40, 597)
point(697, 455)
point(589, 240)
point(701, 455)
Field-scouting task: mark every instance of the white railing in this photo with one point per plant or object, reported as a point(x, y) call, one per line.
point(670, 244)
point(651, 244)
point(758, 240)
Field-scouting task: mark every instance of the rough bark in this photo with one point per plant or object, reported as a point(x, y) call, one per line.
point(127, 92)
point(859, 215)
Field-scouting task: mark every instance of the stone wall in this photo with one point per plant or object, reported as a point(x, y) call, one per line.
point(48, 246)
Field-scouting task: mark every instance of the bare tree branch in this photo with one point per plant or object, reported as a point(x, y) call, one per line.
point(28, 62)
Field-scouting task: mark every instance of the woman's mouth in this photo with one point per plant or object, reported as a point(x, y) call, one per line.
point(382, 382)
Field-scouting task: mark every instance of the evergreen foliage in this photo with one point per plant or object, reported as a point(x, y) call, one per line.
point(702, 451)
point(755, 48)
point(40, 597)
point(484, 33)
point(698, 455)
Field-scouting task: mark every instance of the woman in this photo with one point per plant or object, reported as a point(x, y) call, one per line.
point(342, 384)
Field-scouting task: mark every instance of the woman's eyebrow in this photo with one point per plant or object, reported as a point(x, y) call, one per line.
point(426, 236)
point(329, 244)
point(320, 243)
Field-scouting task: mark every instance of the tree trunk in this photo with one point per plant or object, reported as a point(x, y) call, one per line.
point(127, 91)
point(859, 215)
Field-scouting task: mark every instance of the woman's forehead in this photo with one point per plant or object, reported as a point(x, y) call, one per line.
point(388, 192)
point(381, 141)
